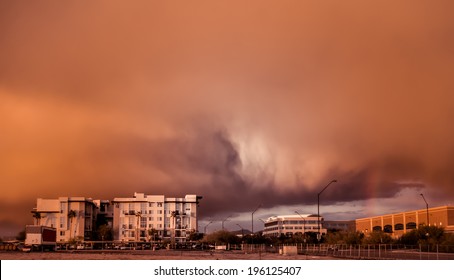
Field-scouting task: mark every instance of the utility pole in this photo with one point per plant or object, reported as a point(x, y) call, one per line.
point(427, 209)
point(318, 208)
point(252, 220)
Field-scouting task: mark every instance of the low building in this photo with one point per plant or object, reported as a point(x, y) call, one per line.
point(400, 223)
point(151, 217)
point(293, 224)
point(340, 225)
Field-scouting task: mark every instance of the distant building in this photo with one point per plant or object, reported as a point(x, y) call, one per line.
point(403, 222)
point(293, 224)
point(149, 217)
point(340, 225)
point(72, 217)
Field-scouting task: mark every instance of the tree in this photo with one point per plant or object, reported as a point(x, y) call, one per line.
point(378, 237)
point(409, 238)
point(195, 236)
point(424, 235)
point(152, 232)
point(21, 235)
point(354, 237)
point(71, 215)
point(37, 216)
point(344, 237)
point(335, 237)
point(105, 232)
point(138, 217)
point(222, 237)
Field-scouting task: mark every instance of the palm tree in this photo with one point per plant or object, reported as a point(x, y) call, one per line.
point(71, 215)
point(173, 215)
point(37, 216)
point(138, 215)
point(152, 232)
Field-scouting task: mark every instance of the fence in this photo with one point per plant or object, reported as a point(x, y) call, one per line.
point(368, 251)
point(345, 251)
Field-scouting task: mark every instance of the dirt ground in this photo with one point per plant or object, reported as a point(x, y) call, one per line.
point(150, 255)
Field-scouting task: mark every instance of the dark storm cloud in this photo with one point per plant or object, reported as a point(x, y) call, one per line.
point(208, 163)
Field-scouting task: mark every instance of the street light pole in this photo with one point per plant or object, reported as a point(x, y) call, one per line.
point(224, 221)
point(252, 219)
point(427, 209)
point(304, 223)
point(205, 229)
point(242, 230)
point(318, 207)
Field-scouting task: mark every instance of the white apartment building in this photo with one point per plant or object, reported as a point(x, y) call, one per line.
point(148, 217)
point(293, 224)
point(72, 217)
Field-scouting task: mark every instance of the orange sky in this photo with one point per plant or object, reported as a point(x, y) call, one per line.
point(243, 102)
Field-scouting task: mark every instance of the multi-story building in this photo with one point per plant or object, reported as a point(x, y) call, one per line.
point(151, 217)
point(293, 224)
point(72, 217)
point(403, 222)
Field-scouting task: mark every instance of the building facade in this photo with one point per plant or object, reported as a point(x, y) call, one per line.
point(403, 222)
point(340, 225)
point(152, 217)
point(73, 217)
point(104, 212)
point(293, 224)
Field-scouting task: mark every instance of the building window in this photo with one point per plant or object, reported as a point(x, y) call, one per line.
point(410, 225)
point(159, 204)
point(377, 228)
point(398, 226)
point(150, 218)
point(63, 207)
point(388, 229)
point(62, 222)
